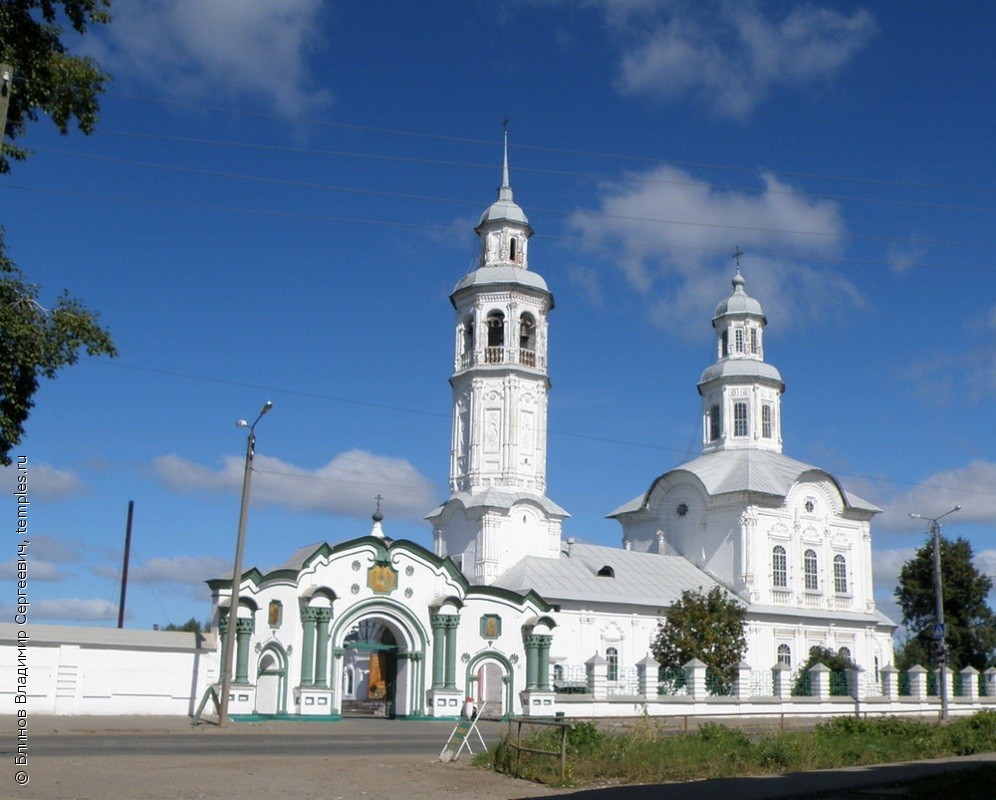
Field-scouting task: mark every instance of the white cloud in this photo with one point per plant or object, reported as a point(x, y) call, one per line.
point(44, 482)
point(727, 55)
point(206, 49)
point(973, 487)
point(886, 565)
point(985, 561)
point(666, 230)
point(179, 570)
point(44, 554)
point(345, 486)
point(72, 608)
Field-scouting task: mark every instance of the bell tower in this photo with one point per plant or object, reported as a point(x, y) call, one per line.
point(498, 511)
point(741, 393)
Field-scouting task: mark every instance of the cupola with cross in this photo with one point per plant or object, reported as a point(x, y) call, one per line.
point(499, 511)
point(741, 393)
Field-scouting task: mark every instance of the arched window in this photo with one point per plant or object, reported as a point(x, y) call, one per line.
point(839, 574)
point(724, 349)
point(468, 334)
point(809, 569)
point(612, 656)
point(785, 655)
point(739, 339)
point(527, 340)
point(496, 338)
point(511, 249)
point(779, 567)
point(845, 653)
point(714, 423)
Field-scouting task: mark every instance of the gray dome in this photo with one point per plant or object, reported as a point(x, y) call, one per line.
point(742, 368)
point(739, 303)
point(504, 209)
point(489, 276)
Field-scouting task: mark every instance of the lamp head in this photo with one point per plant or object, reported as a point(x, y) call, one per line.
point(242, 424)
point(266, 407)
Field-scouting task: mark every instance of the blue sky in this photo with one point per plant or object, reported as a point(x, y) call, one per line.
point(279, 198)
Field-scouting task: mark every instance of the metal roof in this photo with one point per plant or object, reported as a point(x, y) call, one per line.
point(643, 579)
point(747, 470)
point(499, 498)
point(501, 275)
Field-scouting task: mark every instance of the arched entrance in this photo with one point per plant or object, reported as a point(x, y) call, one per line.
point(489, 682)
point(378, 649)
point(370, 669)
point(271, 681)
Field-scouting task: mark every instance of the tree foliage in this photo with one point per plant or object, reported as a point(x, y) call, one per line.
point(46, 77)
point(35, 343)
point(835, 662)
point(192, 625)
point(971, 626)
point(707, 626)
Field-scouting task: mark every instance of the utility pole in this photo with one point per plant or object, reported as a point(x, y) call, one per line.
point(934, 529)
point(124, 565)
point(6, 87)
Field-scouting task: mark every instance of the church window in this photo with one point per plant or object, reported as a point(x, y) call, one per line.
point(496, 338)
point(612, 656)
point(779, 567)
point(785, 655)
point(511, 249)
point(740, 419)
point(809, 570)
point(724, 344)
point(606, 572)
point(766, 421)
point(713, 423)
point(468, 334)
point(845, 652)
point(753, 340)
point(840, 574)
point(527, 340)
point(739, 339)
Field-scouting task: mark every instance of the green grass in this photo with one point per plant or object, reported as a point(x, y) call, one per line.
point(646, 752)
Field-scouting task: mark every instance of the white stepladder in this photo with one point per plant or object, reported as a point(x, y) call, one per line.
point(460, 737)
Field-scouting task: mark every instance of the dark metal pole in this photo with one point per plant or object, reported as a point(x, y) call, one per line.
point(124, 568)
point(6, 87)
point(942, 688)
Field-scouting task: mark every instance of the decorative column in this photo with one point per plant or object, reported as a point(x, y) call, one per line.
point(543, 662)
point(322, 617)
point(855, 685)
point(223, 636)
point(415, 679)
point(243, 630)
point(450, 624)
point(438, 651)
point(308, 620)
point(532, 661)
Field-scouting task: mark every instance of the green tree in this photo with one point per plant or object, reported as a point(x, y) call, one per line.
point(836, 662)
point(192, 625)
point(35, 342)
point(971, 626)
point(46, 77)
point(707, 626)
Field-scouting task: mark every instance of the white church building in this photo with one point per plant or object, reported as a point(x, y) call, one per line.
point(505, 609)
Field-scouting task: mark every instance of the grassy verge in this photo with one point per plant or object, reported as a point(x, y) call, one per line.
point(647, 753)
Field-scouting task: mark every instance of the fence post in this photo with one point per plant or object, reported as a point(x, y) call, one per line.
point(696, 672)
point(819, 681)
point(597, 669)
point(781, 680)
point(970, 683)
point(946, 674)
point(741, 684)
point(918, 682)
point(990, 681)
point(890, 682)
point(855, 685)
point(646, 676)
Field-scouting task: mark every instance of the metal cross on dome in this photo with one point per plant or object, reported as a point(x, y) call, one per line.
point(736, 257)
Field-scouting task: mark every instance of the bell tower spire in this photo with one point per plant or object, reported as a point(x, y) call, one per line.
point(499, 511)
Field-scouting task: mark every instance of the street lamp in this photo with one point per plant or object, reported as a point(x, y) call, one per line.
point(934, 528)
point(233, 605)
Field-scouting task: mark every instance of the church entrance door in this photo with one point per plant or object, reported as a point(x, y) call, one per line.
point(491, 690)
point(371, 657)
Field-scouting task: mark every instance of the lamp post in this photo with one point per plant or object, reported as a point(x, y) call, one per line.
point(934, 528)
point(233, 605)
